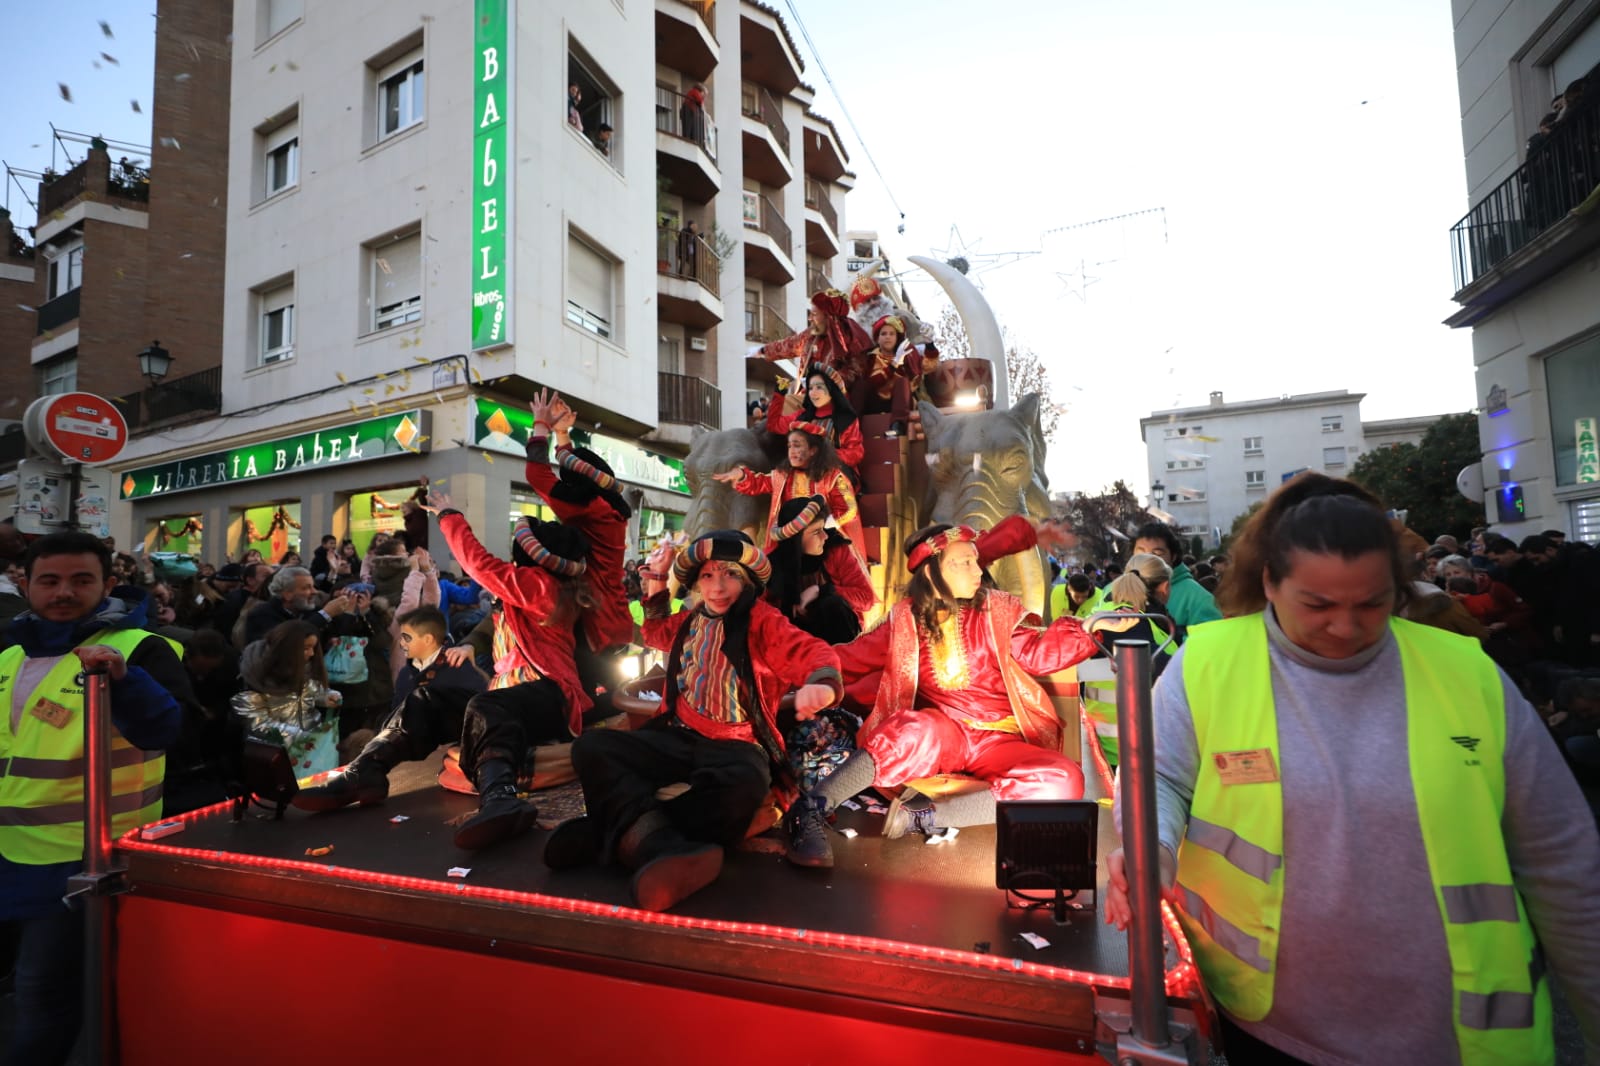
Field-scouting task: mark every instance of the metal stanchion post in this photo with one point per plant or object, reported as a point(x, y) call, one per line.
point(95, 885)
point(1141, 843)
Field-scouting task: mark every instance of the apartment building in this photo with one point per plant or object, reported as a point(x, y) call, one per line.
point(434, 210)
point(1527, 256)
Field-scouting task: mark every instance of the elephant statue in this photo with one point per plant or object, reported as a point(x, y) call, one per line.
point(983, 466)
point(713, 505)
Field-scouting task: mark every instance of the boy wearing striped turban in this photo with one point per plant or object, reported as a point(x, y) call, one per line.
point(536, 696)
point(731, 657)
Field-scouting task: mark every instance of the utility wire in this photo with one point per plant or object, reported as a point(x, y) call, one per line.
point(843, 110)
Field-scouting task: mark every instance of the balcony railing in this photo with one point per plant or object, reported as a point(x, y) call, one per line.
point(190, 394)
point(771, 223)
point(677, 116)
point(759, 103)
point(58, 312)
point(817, 281)
point(122, 183)
point(687, 255)
point(689, 401)
point(707, 10)
point(763, 324)
point(1559, 174)
point(817, 200)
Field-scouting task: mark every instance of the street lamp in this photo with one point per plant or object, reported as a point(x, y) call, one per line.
point(1158, 493)
point(154, 362)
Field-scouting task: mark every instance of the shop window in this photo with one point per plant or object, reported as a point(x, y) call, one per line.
point(371, 513)
point(1572, 382)
point(527, 505)
point(179, 535)
point(394, 280)
point(273, 529)
point(591, 285)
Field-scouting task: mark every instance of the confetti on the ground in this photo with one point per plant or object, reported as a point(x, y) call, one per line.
point(66, 93)
point(326, 850)
point(943, 836)
point(847, 833)
point(397, 819)
point(460, 871)
point(851, 805)
point(1036, 941)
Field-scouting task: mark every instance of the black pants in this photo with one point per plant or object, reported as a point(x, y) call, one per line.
point(506, 723)
point(428, 717)
point(1243, 1049)
point(621, 770)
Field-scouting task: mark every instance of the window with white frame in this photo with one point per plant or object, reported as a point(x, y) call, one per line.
point(59, 375)
point(401, 95)
point(275, 16)
point(1333, 423)
point(281, 158)
point(591, 285)
point(1252, 445)
point(394, 280)
point(1332, 457)
point(1172, 464)
point(597, 108)
point(276, 323)
point(669, 355)
point(65, 272)
point(1255, 479)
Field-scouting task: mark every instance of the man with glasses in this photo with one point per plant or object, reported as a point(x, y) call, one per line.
point(430, 702)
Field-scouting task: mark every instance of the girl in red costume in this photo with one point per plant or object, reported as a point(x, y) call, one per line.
point(823, 403)
point(956, 693)
point(892, 376)
point(813, 470)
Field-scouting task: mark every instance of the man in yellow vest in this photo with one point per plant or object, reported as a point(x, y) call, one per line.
point(77, 617)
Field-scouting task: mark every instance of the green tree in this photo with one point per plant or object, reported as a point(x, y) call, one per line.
point(1105, 523)
point(1420, 479)
point(1238, 525)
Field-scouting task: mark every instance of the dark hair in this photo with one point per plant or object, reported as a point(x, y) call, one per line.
point(206, 642)
point(788, 558)
point(1438, 551)
point(394, 545)
point(1162, 532)
point(1219, 558)
point(1552, 534)
point(428, 620)
point(327, 537)
point(1496, 545)
point(68, 543)
point(1535, 544)
point(1464, 585)
point(1312, 513)
point(283, 560)
point(931, 598)
point(843, 416)
point(286, 668)
point(824, 456)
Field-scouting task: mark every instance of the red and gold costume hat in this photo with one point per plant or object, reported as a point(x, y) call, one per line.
point(721, 545)
point(924, 550)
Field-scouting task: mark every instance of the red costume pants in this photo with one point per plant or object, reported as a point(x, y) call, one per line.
point(922, 743)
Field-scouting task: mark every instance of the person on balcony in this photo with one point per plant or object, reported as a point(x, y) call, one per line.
point(820, 400)
point(689, 249)
point(692, 113)
point(813, 470)
point(831, 337)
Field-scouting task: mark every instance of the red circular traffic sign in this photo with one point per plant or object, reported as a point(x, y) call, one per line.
point(82, 427)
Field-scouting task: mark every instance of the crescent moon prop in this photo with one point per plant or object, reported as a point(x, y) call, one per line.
point(977, 318)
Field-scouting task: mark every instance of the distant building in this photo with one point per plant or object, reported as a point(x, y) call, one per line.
point(1525, 257)
point(1391, 432)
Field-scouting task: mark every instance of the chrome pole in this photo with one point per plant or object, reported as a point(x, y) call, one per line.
point(1141, 843)
point(99, 1020)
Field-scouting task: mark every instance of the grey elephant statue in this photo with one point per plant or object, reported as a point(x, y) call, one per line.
point(713, 505)
point(983, 466)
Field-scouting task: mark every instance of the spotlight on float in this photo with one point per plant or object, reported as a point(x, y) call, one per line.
point(1045, 846)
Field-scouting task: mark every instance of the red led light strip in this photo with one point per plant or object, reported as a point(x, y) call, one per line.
point(1180, 980)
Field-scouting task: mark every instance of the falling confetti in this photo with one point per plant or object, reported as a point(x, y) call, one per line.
point(383, 265)
point(340, 375)
point(488, 458)
point(292, 65)
point(30, 310)
point(182, 77)
point(137, 110)
point(110, 59)
point(477, 375)
point(171, 142)
point(421, 358)
point(66, 93)
point(368, 392)
point(105, 28)
point(354, 408)
point(437, 398)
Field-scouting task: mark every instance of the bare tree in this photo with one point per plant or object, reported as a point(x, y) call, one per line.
point(1025, 371)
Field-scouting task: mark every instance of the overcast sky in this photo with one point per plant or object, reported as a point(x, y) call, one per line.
point(1298, 168)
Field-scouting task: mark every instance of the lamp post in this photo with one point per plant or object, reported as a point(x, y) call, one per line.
point(154, 362)
point(1158, 493)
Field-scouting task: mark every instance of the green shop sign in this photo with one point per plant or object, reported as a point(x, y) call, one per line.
point(402, 433)
point(491, 164)
point(504, 428)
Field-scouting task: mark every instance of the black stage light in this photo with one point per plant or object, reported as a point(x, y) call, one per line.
point(1045, 846)
point(268, 777)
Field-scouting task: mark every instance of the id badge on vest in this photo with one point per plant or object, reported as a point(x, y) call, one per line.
point(51, 713)
point(1253, 766)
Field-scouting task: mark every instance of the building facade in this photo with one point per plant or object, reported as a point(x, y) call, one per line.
point(435, 211)
point(1209, 464)
point(1527, 256)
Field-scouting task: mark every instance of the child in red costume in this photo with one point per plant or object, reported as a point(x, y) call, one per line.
point(956, 693)
point(813, 470)
point(731, 658)
point(831, 338)
point(536, 696)
point(893, 374)
point(823, 403)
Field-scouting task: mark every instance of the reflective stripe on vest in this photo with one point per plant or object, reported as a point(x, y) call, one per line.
point(1231, 866)
point(42, 767)
point(1100, 696)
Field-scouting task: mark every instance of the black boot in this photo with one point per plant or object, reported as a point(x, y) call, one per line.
point(501, 814)
point(807, 827)
point(668, 867)
point(576, 842)
point(364, 781)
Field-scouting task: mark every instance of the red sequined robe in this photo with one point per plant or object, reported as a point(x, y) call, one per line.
point(785, 484)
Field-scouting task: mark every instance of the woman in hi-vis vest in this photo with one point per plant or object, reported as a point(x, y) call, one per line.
point(1376, 850)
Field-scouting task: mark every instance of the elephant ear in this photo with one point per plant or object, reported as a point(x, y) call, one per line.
point(1026, 415)
point(932, 420)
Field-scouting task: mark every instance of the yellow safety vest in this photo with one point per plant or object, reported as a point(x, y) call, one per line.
point(1231, 866)
point(1100, 693)
point(41, 792)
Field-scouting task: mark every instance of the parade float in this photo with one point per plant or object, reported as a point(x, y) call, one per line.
point(246, 935)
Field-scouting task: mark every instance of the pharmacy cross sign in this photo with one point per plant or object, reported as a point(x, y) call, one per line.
point(491, 174)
